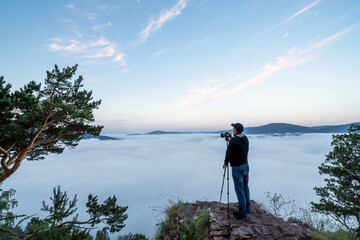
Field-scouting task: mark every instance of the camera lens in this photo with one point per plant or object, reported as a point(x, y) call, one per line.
point(225, 135)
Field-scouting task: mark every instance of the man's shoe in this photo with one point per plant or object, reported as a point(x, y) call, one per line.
point(238, 216)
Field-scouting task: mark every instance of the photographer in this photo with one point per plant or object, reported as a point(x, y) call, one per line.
point(236, 155)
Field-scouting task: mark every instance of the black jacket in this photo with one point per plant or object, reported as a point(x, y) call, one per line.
point(237, 151)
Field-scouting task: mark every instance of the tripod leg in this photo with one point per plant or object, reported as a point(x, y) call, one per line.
point(228, 192)
point(222, 186)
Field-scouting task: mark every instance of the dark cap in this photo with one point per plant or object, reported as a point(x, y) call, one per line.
point(238, 126)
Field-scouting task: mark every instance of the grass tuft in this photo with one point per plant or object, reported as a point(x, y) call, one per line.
point(171, 227)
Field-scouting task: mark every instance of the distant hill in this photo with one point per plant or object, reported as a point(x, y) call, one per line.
point(333, 129)
point(283, 128)
point(272, 128)
point(277, 128)
point(100, 137)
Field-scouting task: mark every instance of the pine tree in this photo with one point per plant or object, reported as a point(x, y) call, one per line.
point(340, 197)
point(36, 121)
point(130, 236)
point(102, 235)
point(62, 223)
point(8, 229)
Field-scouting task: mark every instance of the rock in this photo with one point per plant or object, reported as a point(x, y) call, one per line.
point(259, 225)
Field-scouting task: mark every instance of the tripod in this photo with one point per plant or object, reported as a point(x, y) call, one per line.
point(222, 186)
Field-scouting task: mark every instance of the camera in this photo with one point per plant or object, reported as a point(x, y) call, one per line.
point(226, 135)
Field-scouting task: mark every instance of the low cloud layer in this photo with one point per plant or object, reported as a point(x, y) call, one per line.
point(143, 171)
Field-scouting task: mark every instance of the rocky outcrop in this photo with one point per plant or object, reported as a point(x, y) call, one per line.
point(259, 225)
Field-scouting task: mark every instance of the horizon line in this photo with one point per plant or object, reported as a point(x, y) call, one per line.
point(194, 130)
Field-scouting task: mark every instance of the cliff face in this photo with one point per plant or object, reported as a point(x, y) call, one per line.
point(259, 225)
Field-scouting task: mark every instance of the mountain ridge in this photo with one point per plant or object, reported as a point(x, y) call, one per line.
point(271, 128)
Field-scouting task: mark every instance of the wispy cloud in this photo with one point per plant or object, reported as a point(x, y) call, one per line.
point(71, 25)
point(99, 43)
point(72, 46)
point(106, 51)
point(311, 5)
point(88, 49)
point(97, 27)
point(211, 87)
point(120, 58)
point(294, 57)
point(125, 70)
point(199, 94)
point(164, 17)
point(70, 6)
point(105, 7)
point(91, 16)
point(159, 53)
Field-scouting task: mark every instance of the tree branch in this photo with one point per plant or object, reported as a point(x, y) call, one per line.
point(57, 226)
point(11, 147)
point(61, 134)
point(6, 155)
point(15, 166)
point(25, 218)
point(17, 158)
point(3, 219)
point(9, 162)
point(341, 221)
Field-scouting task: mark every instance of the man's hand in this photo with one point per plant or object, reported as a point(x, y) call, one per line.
point(224, 166)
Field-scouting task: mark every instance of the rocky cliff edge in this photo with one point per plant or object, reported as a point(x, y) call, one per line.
point(260, 225)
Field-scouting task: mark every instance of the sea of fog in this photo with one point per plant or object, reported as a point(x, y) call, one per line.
point(145, 171)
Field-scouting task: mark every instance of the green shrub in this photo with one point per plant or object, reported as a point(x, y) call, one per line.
point(201, 222)
point(322, 227)
point(130, 236)
point(172, 228)
point(335, 235)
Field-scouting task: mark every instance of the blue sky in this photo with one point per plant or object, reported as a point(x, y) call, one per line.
point(187, 64)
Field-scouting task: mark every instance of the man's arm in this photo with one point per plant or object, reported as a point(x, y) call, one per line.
point(229, 152)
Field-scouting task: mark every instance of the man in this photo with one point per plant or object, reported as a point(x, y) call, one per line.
point(237, 156)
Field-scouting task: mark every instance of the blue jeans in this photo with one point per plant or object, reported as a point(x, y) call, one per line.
point(240, 176)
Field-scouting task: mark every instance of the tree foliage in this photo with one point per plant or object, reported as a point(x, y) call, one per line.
point(57, 222)
point(8, 229)
point(340, 197)
point(61, 221)
point(108, 212)
point(36, 120)
point(40, 229)
point(102, 235)
point(130, 236)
